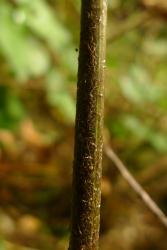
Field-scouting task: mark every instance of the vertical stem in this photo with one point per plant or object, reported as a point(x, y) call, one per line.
point(89, 126)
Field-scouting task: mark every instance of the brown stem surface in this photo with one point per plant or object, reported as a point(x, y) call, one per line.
point(89, 125)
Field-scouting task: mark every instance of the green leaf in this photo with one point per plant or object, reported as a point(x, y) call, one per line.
point(137, 87)
point(158, 141)
point(155, 47)
point(66, 105)
point(11, 109)
point(2, 245)
point(145, 133)
point(41, 19)
point(24, 54)
point(134, 125)
point(43, 22)
point(59, 97)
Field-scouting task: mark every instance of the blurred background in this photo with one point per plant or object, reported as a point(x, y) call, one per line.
point(39, 43)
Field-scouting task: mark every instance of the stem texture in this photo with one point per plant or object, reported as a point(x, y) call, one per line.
point(88, 129)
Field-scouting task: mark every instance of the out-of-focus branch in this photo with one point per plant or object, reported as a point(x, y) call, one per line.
point(157, 7)
point(138, 19)
point(136, 186)
point(133, 22)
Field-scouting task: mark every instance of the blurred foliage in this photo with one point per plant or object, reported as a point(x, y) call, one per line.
point(31, 39)
point(39, 41)
point(11, 109)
